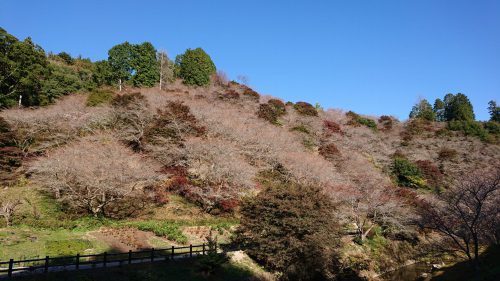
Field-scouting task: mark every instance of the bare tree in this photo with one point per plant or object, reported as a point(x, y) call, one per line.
point(97, 176)
point(7, 210)
point(243, 79)
point(131, 116)
point(166, 69)
point(467, 214)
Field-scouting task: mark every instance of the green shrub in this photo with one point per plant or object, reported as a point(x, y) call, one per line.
point(195, 67)
point(301, 128)
point(357, 120)
point(305, 108)
point(470, 128)
point(99, 97)
point(407, 174)
point(170, 230)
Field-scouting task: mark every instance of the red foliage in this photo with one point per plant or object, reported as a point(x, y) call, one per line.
point(431, 172)
point(330, 127)
point(248, 92)
point(228, 205)
point(329, 151)
point(386, 122)
point(177, 183)
point(229, 95)
point(305, 108)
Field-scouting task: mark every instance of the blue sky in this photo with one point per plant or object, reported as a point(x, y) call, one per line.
point(373, 56)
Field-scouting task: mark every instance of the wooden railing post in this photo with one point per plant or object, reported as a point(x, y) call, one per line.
point(77, 261)
point(190, 250)
point(172, 253)
point(203, 248)
point(46, 268)
point(152, 254)
point(129, 256)
point(104, 259)
point(11, 265)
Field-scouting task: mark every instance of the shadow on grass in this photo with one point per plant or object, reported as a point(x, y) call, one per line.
point(164, 270)
point(462, 271)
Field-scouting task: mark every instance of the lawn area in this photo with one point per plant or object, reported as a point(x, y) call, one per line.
point(25, 243)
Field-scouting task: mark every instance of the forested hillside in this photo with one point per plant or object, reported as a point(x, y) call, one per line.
point(168, 150)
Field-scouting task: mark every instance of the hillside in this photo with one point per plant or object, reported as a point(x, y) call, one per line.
point(138, 152)
point(216, 151)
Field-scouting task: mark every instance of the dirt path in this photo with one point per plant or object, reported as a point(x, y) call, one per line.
point(123, 239)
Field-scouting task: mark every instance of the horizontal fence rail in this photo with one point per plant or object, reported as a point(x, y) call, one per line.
point(103, 260)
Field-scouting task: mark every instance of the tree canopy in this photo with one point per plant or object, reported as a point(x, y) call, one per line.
point(291, 229)
point(423, 110)
point(195, 67)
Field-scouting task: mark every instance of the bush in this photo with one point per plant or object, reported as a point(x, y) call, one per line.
point(248, 92)
point(305, 108)
point(329, 151)
point(278, 106)
point(431, 173)
point(301, 128)
point(407, 174)
point(447, 153)
point(386, 122)
point(128, 100)
point(330, 127)
point(195, 67)
point(99, 97)
point(470, 128)
point(271, 111)
point(357, 120)
point(291, 229)
point(229, 95)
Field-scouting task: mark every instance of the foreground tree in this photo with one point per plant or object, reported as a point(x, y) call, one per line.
point(468, 214)
point(97, 176)
point(291, 229)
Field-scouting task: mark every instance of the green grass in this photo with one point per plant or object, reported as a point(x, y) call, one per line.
point(70, 247)
point(166, 229)
point(25, 243)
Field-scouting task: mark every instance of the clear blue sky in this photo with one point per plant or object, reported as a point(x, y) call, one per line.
point(373, 56)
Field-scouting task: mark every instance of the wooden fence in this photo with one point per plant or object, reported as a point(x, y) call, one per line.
point(100, 260)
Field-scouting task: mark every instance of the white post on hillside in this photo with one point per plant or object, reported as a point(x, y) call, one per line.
point(20, 99)
point(120, 84)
